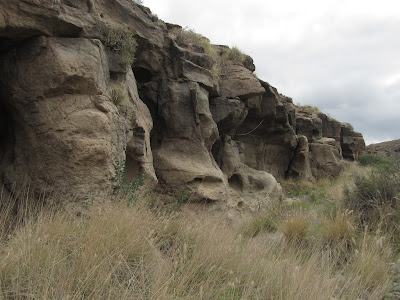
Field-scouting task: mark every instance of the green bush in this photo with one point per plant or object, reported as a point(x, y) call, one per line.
point(121, 41)
point(234, 55)
point(376, 195)
point(373, 160)
point(259, 224)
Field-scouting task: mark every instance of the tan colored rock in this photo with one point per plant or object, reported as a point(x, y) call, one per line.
point(229, 114)
point(326, 158)
point(240, 82)
point(308, 124)
point(300, 165)
point(253, 189)
point(352, 143)
point(330, 127)
point(68, 134)
point(268, 137)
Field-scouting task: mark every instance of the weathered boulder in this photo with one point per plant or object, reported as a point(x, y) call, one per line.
point(308, 124)
point(253, 189)
point(330, 127)
point(300, 165)
point(326, 158)
point(352, 143)
point(239, 81)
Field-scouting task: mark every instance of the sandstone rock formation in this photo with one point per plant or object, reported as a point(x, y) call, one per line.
point(73, 104)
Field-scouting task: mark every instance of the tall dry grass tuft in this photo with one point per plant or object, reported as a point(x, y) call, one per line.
point(339, 228)
point(295, 227)
point(133, 250)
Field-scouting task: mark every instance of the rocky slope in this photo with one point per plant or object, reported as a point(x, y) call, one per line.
point(389, 148)
point(73, 104)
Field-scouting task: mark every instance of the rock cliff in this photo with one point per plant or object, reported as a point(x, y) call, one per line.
point(189, 115)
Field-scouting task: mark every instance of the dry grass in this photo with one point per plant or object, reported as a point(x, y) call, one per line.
point(116, 251)
point(295, 227)
point(339, 228)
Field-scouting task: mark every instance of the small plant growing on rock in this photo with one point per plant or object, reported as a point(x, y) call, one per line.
point(308, 108)
point(121, 41)
point(118, 95)
point(348, 125)
point(234, 55)
point(193, 40)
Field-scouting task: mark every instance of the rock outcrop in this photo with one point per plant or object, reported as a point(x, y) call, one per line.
point(73, 104)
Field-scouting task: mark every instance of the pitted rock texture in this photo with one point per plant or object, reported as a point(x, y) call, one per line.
point(70, 110)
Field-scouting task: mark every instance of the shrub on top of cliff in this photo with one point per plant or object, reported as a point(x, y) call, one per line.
point(190, 38)
point(140, 2)
point(121, 41)
point(234, 55)
point(309, 108)
point(348, 125)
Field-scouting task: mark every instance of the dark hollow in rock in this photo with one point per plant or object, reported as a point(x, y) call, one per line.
point(142, 75)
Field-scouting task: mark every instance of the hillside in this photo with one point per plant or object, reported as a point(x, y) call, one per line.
point(389, 148)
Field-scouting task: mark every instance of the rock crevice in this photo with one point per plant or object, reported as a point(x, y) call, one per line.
point(71, 108)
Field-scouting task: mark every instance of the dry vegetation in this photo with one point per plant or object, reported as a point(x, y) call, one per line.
point(222, 59)
point(308, 247)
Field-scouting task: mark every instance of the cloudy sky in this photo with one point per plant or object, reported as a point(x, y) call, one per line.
point(340, 55)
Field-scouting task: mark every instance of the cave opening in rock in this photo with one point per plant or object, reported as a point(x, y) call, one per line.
point(142, 75)
point(235, 182)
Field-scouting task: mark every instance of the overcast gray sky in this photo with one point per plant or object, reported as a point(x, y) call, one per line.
point(340, 55)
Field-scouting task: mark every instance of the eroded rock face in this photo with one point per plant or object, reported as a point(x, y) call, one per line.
point(300, 166)
point(326, 158)
point(330, 127)
point(67, 131)
point(352, 143)
point(267, 134)
point(69, 110)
